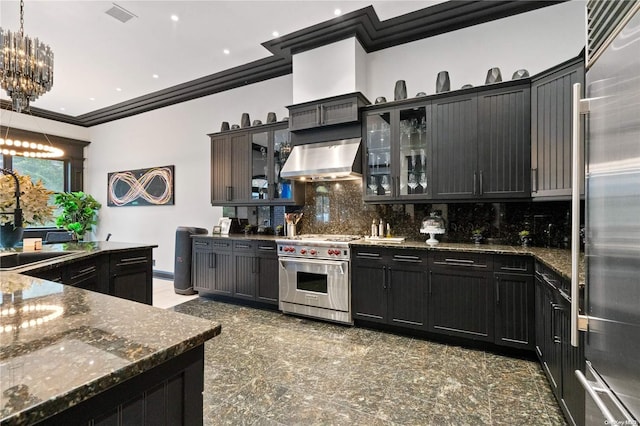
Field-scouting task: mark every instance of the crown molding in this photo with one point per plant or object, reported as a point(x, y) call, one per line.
point(364, 24)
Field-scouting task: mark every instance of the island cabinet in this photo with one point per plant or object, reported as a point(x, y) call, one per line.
point(481, 143)
point(90, 274)
point(559, 359)
point(246, 164)
point(398, 153)
point(242, 269)
point(131, 275)
point(461, 295)
point(551, 130)
point(390, 288)
point(326, 112)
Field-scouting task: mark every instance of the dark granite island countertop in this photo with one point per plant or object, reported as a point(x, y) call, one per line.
point(60, 346)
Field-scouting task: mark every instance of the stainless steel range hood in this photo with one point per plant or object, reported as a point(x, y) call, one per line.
point(334, 160)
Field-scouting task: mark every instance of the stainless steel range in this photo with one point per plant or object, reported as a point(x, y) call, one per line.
point(315, 278)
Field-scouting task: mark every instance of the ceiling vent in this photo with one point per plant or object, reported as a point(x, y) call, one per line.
point(120, 13)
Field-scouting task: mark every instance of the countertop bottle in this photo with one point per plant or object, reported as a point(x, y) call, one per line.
point(374, 229)
point(381, 229)
point(388, 230)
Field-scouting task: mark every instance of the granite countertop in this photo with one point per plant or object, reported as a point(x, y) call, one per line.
point(76, 250)
point(60, 345)
point(559, 260)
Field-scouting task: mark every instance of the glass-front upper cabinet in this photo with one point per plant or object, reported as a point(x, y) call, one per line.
point(260, 166)
point(397, 153)
point(281, 151)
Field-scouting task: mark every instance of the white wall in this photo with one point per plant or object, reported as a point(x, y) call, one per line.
point(535, 40)
point(175, 135)
point(334, 69)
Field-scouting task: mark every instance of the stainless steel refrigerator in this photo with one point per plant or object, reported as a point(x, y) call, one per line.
point(611, 311)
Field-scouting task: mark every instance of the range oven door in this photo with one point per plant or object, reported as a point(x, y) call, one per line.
point(318, 283)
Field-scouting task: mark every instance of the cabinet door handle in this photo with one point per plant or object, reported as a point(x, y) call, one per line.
point(384, 277)
point(481, 183)
point(266, 248)
point(83, 272)
point(128, 261)
point(320, 114)
point(430, 279)
point(475, 179)
point(368, 255)
point(389, 277)
point(212, 260)
point(200, 244)
point(228, 192)
point(497, 290)
point(410, 259)
point(246, 246)
point(534, 180)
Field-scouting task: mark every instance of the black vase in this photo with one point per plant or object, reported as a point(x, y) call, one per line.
point(245, 121)
point(10, 236)
point(442, 82)
point(400, 91)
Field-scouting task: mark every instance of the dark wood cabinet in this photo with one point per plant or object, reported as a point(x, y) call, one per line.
point(242, 269)
point(481, 143)
point(389, 288)
point(559, 359)
point(127, 274)
point(213, 268)
point(504, 146)
point(131, 275)
point(515, 301)
point(407, 290)
point(326, 112)
point(230, 174)
point(551, 130)
point(267, 272)
point(246, 164)
point(91, 274)
point(455, 146)
point(461, 296)
point(397, 160)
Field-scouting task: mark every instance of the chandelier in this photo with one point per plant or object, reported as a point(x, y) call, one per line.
point(26, 66)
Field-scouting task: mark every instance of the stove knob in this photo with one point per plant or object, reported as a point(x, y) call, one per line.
point(313, 252)
point(303, 251)
point(330, 252)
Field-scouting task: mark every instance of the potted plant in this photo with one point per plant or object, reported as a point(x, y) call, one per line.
point(476, 235)
point(247, 230)
point(34, 202)
point(525, 237)
point(79, 212)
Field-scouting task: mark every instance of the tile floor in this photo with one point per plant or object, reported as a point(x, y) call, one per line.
point(272, 369)
point(165, 297)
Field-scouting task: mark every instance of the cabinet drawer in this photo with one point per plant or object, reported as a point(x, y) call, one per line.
point(368, 254)
point(130, 260)
point(243, 246)
point(552, 279)
point(265, 247)
point(462, 260)
point(513, 264)
point(212, 243)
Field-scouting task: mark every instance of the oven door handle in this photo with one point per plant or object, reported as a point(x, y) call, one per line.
point(330, 263)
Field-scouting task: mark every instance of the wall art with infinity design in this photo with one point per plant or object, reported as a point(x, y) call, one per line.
point(142, 187)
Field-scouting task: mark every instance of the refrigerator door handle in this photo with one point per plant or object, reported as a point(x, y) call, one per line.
point(579, 107)
point(597, 385)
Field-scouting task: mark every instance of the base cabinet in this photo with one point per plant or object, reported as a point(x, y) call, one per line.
point(126, 274)
point(390, 288)
point(461, 295)
point(242, 269)
point(559, 359)
point(131, 275)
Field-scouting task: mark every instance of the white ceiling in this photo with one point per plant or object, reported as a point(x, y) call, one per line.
point(95, 54)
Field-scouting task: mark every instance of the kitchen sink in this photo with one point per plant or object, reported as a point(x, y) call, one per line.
point(11, 261)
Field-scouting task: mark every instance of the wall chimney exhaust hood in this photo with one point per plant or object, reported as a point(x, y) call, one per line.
point(334, 160)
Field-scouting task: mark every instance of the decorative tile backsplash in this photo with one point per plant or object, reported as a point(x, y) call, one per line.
point(338, 208)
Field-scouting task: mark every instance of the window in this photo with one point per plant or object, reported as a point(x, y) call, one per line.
point(50, 171)
point(59, 174)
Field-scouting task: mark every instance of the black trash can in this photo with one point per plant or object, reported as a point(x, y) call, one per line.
point(182, 266)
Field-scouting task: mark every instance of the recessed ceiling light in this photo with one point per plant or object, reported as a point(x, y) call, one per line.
point(337, 12)
point(118, 89)
point(155, 76)
point(175, 18)
point(275, 34)
point(92, 99)
point(226, 51)
point(61, 108)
